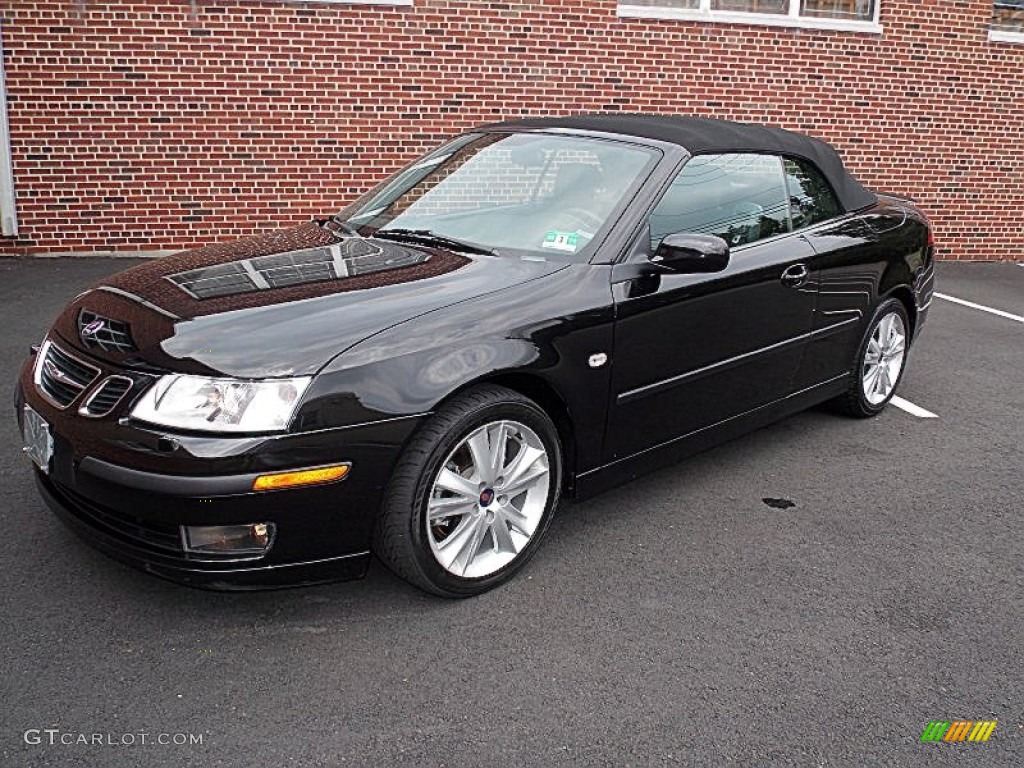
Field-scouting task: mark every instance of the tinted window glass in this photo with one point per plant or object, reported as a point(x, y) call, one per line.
point(751, 6)
point(740, 198)
point(863, 10)
point(811, 198)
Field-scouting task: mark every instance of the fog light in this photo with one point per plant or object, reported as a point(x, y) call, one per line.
point(254, 538)
point(302, 477)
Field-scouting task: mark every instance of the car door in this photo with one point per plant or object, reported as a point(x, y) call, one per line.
point(694, 350)
point(846, 268)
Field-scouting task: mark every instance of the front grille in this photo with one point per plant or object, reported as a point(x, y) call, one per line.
point(159, 537)
point(106, 396)
point(112, 336)
point(62, 377)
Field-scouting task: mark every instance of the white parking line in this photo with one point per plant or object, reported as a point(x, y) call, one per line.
point(913, 410)
point(972, 305)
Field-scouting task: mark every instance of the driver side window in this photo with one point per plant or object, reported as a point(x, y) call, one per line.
point(741, 198)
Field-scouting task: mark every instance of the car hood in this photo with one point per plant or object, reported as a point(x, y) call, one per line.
point(279, 304)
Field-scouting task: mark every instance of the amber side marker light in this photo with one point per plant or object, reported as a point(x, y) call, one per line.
point(316, 476)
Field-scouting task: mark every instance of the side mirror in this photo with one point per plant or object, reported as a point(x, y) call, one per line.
point(690, 253)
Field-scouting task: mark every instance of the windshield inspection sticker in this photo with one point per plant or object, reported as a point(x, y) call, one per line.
point(561, 241)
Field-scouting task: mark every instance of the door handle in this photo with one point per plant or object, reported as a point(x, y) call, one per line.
point(795, 276)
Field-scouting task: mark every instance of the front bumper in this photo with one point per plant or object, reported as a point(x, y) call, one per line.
point(127, 489)
point(150, 547)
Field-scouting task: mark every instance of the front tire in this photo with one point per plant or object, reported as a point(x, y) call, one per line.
point(880, 362)
point(472, 494)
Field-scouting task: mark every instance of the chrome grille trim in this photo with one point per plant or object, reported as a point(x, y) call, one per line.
point(113, 336)
point(61, 377)
point(105, 397)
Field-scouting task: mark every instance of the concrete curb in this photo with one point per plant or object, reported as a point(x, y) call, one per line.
point(99, 255)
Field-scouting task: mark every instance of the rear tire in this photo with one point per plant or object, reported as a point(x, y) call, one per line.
point(879, 364)
point(472, 495)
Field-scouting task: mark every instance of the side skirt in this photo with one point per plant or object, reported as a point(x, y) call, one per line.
point(603, 478)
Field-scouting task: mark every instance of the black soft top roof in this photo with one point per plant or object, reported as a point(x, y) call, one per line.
point(703, 136)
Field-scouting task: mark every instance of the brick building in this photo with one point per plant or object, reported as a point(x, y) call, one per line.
point(134, 126)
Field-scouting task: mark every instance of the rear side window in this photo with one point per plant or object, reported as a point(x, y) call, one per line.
point(811, 198)
point(742, 198)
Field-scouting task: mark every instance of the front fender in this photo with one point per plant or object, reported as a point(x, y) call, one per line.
point(547, 331)
point(411, 383)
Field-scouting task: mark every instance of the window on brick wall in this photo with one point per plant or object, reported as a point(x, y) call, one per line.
point(361, 2)
point(857, 15)
point(1008, 21)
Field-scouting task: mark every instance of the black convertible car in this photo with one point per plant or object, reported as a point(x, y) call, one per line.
point(536, 308)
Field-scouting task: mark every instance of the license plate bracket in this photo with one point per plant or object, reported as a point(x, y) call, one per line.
point(38, 439)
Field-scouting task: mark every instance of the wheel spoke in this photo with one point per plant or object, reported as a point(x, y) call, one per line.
point(871, 379)
point(450, 547)
point(894, 331)
point(480, 450)
point(516, 519)
point(874, 352)
point(468, 552)
point(522, 470)
point(458, 549)
point(526, 482)
point(455, 483)
point(884, 329)
point(883, 381)
point(439, 509)
point(499, 445)
point(893, 370)
point(502, 538)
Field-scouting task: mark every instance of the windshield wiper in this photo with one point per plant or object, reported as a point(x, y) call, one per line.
point(343, 225)
point(432, 238)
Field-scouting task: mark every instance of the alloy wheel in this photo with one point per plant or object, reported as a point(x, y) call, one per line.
point(488, 499)
point(883, 358)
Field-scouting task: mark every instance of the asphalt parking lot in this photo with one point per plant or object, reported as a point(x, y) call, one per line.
point(678, 620)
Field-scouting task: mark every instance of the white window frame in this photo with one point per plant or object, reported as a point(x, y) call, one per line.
point(1002, 36)
point(791, 19)
point(8, 212)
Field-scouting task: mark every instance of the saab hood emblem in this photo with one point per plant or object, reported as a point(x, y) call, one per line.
point(92, 329)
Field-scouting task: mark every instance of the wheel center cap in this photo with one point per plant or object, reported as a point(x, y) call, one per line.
point(486, 497)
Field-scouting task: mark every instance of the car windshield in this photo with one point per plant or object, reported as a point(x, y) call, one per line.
point(508, 193)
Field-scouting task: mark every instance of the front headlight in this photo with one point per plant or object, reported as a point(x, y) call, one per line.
point(221, 405)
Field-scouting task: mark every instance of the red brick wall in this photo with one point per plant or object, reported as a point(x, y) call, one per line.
point(138, 126)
